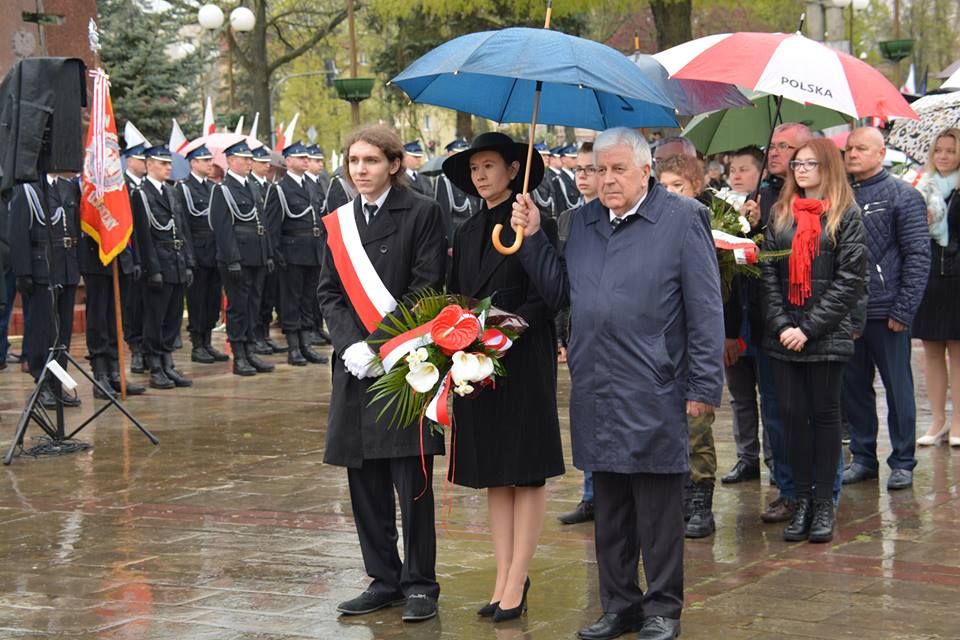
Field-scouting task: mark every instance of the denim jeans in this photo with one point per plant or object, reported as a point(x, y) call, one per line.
point(773, 426)
point(886, 351)
point(587, 486)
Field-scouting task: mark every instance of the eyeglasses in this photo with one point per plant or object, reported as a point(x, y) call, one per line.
point(589, 171)
point(782, 147)
point(804, 165)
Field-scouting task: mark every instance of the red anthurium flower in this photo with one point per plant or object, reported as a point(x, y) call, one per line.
point(454, 329)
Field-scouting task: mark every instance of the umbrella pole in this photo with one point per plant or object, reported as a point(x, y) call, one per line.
point(518, 240)
point(766, 152)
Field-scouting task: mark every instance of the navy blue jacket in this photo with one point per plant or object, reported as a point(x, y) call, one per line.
point(646, 336)
point(898, 246)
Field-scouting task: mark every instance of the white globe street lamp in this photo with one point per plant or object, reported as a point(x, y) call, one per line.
point(242, 19)
point(210, 17)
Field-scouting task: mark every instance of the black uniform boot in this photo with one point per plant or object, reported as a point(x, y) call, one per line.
point(259, 346)
point(133, 389)
point(158, 379)
point(270, 342)
point(701, 523)
point(799, 527)
point(101, 375)
point(261, 366)
point(241, 366)
point(137, 363)
point(294, 356)
point(310, 354)
point(687, 497)
point(178, 379)
point(199, 351)
point(821, 527)
point(218, 355)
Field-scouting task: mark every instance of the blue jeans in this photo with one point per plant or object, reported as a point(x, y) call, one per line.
point(587, 486)
point(773, 426)
point(888, 352)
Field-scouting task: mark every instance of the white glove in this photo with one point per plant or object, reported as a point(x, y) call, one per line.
point(359, 359)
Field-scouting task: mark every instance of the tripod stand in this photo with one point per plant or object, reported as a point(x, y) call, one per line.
point(60, 441)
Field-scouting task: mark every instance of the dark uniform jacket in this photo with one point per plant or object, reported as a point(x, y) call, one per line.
point(196, 214)
point(565, 190)
point(258, 189)
point(243, 241)
point(456, 206)
point(46, 252)
point(406, 246)
point(421, 184)
point(298, 240)
point(130, 257)
point(165, 252)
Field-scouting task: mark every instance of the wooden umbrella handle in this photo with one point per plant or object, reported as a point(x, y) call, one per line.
point(502, 248)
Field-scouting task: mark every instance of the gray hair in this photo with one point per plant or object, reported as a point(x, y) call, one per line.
point(623, 136)
point(715, 165)
point(803, 132)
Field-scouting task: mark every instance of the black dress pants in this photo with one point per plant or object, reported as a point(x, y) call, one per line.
point(299, 290)
point(48, 314)
point(101, 320)
point(163, 313)
point(639, 513)
point(132, 295)
point(375, 513)
point(243, 302)
point(270, 299)
point(809, 395)
point(203, 300)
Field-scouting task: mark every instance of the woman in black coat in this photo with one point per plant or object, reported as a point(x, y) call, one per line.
point(507, 437)
point(813, 307)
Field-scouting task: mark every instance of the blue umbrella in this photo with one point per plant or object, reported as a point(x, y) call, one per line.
point(496, 74)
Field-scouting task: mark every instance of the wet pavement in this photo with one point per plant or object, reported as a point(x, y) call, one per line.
point(232, 528)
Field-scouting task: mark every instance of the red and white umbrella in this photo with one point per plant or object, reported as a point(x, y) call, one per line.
point(791, 66)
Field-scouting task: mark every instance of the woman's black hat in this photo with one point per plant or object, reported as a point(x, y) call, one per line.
point(457, 167)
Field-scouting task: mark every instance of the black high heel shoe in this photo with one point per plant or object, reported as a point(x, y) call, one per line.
point(499, 615)
point(487, 610)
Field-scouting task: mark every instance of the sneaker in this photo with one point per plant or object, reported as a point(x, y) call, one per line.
point(900, 479)
point(856, 472)
point(780, 510)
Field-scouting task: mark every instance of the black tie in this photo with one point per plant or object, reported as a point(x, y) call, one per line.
point(615, 222)
point(370, 210)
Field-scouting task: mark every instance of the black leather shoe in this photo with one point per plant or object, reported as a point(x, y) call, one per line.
point(133, 389)
point(261, 366)
point(583, 513)
point(170, 371)
point(609, 626)
point(201, 355)
point(259, 347)
point(500, 615)
point(487, 610)
point(69, 399)
point(701, 523)
point(276, 346)
point(419, 607)
point(799, 527)
point(821, 526)
point(659, 628)
point(46, 398)
point(856, 472)
point(241, 367)
point(310, 354)
point(741, 472)
point(370, 601)
point(218, 356)
point(137, 364)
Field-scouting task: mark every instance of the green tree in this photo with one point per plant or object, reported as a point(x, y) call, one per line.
point(147, 85)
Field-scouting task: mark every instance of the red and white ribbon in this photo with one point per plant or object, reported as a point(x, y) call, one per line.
point(496, 339)
point(368, 296)
point(744, 249)
point(437, 409)
point(392, 351)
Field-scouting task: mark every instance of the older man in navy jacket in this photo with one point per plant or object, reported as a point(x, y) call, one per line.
point(640, 273)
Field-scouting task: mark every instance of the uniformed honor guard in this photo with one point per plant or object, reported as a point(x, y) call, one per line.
point(340, 191)
point(564, 185)
point(543, 195)
point(315, 169)
point(244, 256)
point(204, 296)
point(101, 321)
point(260, 183)
point(455, 205)
point(568, 160)
point(412, 159)
point(395, 237)
point(296, 232)
point(44, 230)
point(163, 242)
point(131, 284)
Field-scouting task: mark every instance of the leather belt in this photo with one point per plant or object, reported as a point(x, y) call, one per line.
point(66, 242)
point(302, 233)
point(176, 244)
point(249, 229)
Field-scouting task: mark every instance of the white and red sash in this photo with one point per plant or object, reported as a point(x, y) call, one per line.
point(744, 249)
point(368, 296)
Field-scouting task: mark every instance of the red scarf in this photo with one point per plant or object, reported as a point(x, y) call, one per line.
point(806, 246)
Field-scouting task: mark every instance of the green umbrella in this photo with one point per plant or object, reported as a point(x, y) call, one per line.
point(730, 129)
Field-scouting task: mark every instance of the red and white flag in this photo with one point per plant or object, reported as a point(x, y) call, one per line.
point(104, 204)
point(209, 126)
point(177, 140)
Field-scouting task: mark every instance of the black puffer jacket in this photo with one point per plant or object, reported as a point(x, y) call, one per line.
point(839, 285)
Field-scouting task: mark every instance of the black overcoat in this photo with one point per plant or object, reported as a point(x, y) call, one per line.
point(46, 256)
point(510, 434)
point(237, 241)
point(299, 239)
point(405, 243)
point(201, 235)
point(165, 252)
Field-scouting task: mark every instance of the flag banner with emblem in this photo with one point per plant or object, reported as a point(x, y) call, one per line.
point(104, 205)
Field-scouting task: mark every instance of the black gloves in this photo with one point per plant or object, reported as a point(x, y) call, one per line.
point(271, 266)
point(25, 285)
point(155, 281)
point(137, 272)
point(189, 277)
point(234, 271)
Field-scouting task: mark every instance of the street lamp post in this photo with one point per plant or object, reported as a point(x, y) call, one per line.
point(211, 18)
point(855, 5)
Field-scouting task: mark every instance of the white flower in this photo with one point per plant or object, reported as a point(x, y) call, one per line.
point(417, 356)
point(486, 367)
point(733, 198)
point(463, 388)
point(744, 224)
point(423, 376)
point(466, 367)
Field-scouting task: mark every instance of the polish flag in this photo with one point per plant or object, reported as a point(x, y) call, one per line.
point(208, 124)
point(177, 140)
